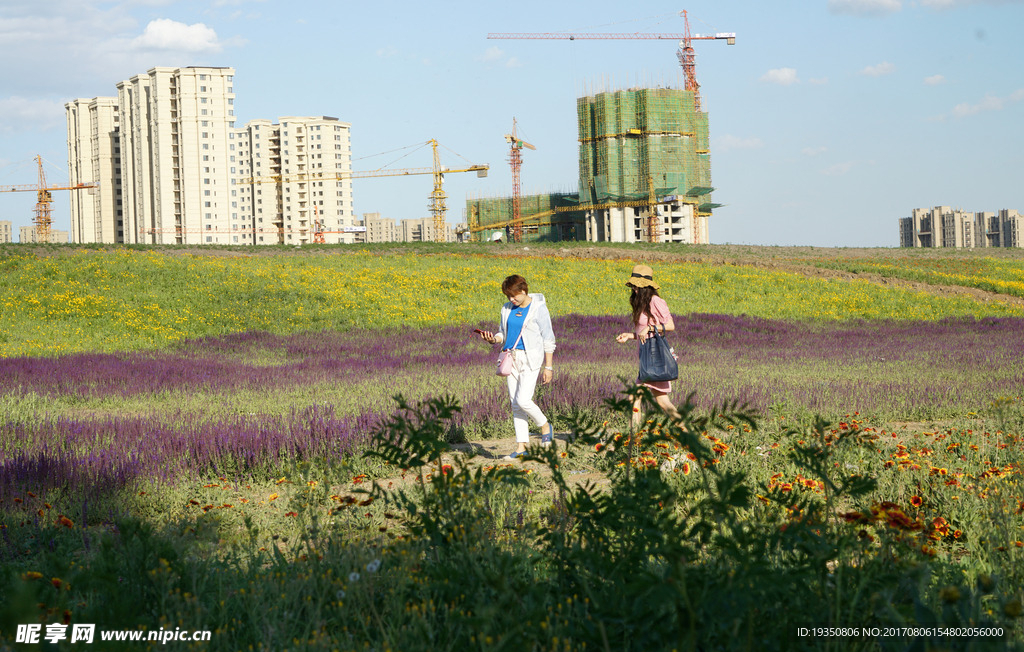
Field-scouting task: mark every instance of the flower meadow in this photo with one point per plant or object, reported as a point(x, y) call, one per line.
point(129, 299)
point(849, 457)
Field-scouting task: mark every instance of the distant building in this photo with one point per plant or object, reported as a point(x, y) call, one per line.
point(422, 230)
point(942, 226)
point(29, 234)
point(379, 229)
point(295, 179)
point(633, 144)
point(171, 168)
point(6, 231)
point(385, 229)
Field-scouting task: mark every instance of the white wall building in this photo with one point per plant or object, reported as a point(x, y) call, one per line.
point(942, 226)
point(171, 168)
point(94, 157)
point(297, 180)
point(676, 223)
point(6, 231)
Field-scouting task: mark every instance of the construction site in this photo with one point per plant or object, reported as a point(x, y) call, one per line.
point(644, 167)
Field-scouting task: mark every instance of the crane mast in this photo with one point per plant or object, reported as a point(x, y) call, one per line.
point(43, 212)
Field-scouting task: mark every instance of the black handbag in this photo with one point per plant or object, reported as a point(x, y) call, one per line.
point(656, 360)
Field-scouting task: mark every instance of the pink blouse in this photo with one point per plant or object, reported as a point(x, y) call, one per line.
point(661, 315)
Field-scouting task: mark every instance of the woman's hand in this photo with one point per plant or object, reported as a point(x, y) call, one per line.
point(622, 338)
point(545, 376)
point(489, 337)
point(647, 333)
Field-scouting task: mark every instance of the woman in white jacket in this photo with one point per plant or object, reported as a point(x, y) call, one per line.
point(525, 329)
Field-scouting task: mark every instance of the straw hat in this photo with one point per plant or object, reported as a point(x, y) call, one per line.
point(642, 277)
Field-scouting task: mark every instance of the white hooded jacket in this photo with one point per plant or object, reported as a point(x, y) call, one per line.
point(538, 338)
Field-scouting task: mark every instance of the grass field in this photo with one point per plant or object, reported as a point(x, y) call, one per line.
point(208, 440)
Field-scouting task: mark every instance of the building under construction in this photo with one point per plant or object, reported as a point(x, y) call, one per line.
point(644, 176)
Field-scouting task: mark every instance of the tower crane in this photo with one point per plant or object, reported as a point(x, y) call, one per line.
point(685, 54)
point(687, 60)
point(43, 211)
point(515, 159)
point(437, 201)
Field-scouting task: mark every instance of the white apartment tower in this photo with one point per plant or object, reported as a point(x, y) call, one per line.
point(177, 125)
point(171, 168)
point(94, 157)
point(297, 180)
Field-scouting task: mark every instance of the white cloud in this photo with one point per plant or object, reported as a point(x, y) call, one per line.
point(781, 76)
point(883, 68)
point(838, 170)
point(496, 56)
point(166, 34)
point(493, 53)
point(864, 7)
point(818, 81)
point(730, 142)
point(934, 80)
point(37, 114)
point(813, 151)
point(989, 103)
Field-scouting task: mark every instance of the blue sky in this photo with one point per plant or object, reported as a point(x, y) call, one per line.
point(829, 119)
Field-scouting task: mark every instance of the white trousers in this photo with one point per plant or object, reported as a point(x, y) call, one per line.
point(522, 382)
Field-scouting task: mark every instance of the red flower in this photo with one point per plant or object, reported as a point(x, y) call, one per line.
point(916, 501)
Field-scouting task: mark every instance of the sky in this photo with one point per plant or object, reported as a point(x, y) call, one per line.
point(829, 119)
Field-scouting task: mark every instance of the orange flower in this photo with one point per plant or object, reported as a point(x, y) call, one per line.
point(686, 468)
point(56, 582)
point(31, 575)
point(65, 521)
point(272, 497)
point(916, 501)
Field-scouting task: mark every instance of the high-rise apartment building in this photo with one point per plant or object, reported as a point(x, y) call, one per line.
point(171, 168)
point(942, 226)
point(296, 180)
point(94, 156)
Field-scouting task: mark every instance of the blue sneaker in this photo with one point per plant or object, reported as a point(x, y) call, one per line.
point(513, 456)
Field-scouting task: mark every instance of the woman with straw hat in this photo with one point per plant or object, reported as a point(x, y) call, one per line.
point(525, 332)
point(650, 314)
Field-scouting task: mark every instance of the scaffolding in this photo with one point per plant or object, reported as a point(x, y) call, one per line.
point(555, 217)
point(631, 138)
point(639, 148)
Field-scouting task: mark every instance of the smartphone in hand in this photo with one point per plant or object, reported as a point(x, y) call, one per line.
point(478, 331)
